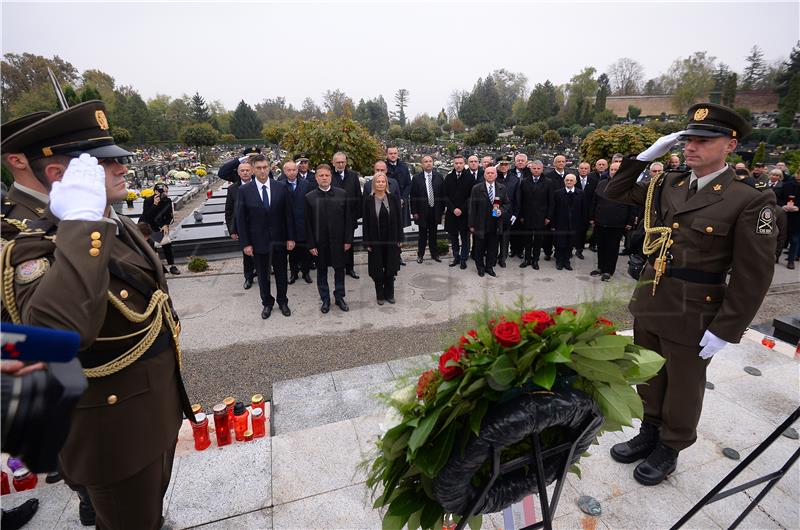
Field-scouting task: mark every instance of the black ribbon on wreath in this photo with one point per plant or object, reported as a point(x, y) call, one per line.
point(509, 423)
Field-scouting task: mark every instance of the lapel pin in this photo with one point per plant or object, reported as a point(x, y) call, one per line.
point(717, 187)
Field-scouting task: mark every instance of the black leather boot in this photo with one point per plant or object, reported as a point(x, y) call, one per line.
point(661, 462)
point(637, 447)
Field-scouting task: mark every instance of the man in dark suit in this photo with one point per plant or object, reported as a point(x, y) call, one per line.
point(600, 169)
point(512, 231)
point(348, 180)
point(380, 167)
point(398, 170)
point(303, 171)
point(568, 215)
point(266, 232)
point(588, 184)
point(555, 178)
point(427, 206)
point(475, 169)
point(488, 204)
point(457, 189)
point(299, 258)
point(228, 170)
point(245, 173)
point(532, 208)
point(329, 235)
point(610, 219)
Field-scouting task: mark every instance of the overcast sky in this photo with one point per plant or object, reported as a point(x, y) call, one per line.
point(252, 51)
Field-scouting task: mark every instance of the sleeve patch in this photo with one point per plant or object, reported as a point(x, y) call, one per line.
point(31, 270)
point(766, 221)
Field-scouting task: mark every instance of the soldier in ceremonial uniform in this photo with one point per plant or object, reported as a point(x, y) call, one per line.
point(700, 226)
point(84, 268)
point(27, 197)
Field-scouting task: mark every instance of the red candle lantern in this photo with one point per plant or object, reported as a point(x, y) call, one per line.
point(200, 431)
point(240, 418)
point(221, 425)
point(259, 423)
point(24, 479)
point(257, 402)
point(6, 487)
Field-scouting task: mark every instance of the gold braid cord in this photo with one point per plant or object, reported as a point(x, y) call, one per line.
point(161, 312)
point(656, 238)
point(9, 297)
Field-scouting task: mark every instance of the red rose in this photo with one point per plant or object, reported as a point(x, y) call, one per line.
point(560, 310)
point(424, 382)
point(507, 334)
point(452, 354)
point(464, 340)
point(604, 322)
point(473, 333)
point(541, 319)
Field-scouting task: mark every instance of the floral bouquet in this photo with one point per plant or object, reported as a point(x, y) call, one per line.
point(146, 193)
point(131, 196)
point(515, 353)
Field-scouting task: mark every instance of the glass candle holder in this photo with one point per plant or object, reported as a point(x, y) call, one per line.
point(24, 479)
point(768, 341)
point(6, 487)
point(248, 435)
point(241, 418)
point(196, 408)
point(229, 403)
point(200, 432)
point(257, 402)
point(259, 423)
point(221, 426)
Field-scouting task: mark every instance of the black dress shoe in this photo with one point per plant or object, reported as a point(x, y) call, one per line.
point(292, 279)
point(86, 511)
point(559, 266)
point(390, 299)
point(606, 277)
point(342, 305)
point(53, 477)
point(481, 273)
point(596, 272)
point(437, 259)
point(502, 264)
point(638, 447)
point(490, 272)
point(454, 262)
point(579, 255)
point(313, 266)
point(535, 265)
point(593, 248)
point(524, 264)
point(266, 312)
point(353, 275)
point(568, 266)
point(307, 277)
point(419, 260)
point(463, 264)
point(248, 283)
point(285, 310)
point(325, 307)
point(402, 262)
point(658, 465)
point(18, 517)
point(380, 301)
point(174, 270)
point(547, 257)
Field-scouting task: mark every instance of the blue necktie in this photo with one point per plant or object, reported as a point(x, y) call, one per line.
point(294, 186)
point(265, 196)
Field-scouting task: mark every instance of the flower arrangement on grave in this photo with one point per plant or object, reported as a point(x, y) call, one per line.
point(131, 196)
point(573, 354)
point(147, 193)
point(200, 171)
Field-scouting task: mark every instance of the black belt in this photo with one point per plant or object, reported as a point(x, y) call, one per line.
point(691, 275)
point(90, 359)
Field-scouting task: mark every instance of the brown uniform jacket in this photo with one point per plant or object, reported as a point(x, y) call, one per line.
point(24, 206)
point(127, 419)
point(726, 226)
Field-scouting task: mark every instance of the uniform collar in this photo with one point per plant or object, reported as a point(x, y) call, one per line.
point(38, 195)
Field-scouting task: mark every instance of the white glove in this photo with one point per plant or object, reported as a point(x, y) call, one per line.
point(513, 219)
point(243, 159)
point(81, 193)
point(711, 344)
point(660, 147)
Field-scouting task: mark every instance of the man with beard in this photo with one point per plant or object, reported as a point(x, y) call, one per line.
point(457, 189)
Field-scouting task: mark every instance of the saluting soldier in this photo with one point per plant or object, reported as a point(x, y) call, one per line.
point(84, 268)
point(27, 197)
point(700, 226)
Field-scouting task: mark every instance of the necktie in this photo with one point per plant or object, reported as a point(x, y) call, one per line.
point(429, 184)
point(536, 180)
point(294, 186)
point(693, 188)
point(265, 196)
point(491, 193)
point(474, 175)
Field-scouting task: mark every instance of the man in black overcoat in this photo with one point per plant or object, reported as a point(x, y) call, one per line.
point(568, 216)
point(427, 206)
point(245, 174)
point(488, 204)
point(398, 170)
point(348, 180)
point(588, 184)
point(457, 189)
point(533, 206)
point(299, 257)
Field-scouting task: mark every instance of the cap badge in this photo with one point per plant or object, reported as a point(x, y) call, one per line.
point(700, 114)
point(102, 121)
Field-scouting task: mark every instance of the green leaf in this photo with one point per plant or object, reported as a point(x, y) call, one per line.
point(614, 407)
point(502, 373)
point(574, 469)
point(474, 387)
point(562, 354)
point(445, 390)
point(424, 430)
point(408, 502)
point(477, 416)
point(648, 363)
point(432, 458)
point(413, 521)
point(593, 370)
point(545, 376)
point(392, 522)
point(631, 398)
point(476, 522)
point(480, 360)
point(604, 348)
point(430, 514)
point(398, 447)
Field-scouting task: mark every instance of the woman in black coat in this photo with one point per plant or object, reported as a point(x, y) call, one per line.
point(383, 234)
point(157, 212)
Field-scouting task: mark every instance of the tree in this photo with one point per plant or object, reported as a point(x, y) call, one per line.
point(25, 73)
point(274, 109)
point(310, 110)
point(654, 87)
point(131, 112)
point(755, 70)
point(790, 104)
point(337, 104)
point(457, 126)
point(581, 89)
point(401, 102)
point(199, 134)
point(782, 136)
point(603, 89)
point(542, 102)
point(245, 122)
point(758, 156)
point(454, 103)
point(510, 86)
point(745, 113)
point(626, 76)
point(633, 112)
point(395, 132)
point(729, 90)
point(691, 78)
point(606, 117)
point(274, 131)
point(320, 139)
point(790, 67)
point(551, 137)
point(484, 133)
point(121, 135)
point(625, 139)
point(198, 109)
point(373, 114)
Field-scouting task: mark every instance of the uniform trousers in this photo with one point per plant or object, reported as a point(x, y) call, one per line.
point(608, 238)
point(135, 503)
point(673, 399)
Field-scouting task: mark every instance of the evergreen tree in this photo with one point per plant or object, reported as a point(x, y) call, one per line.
point(542, 102)
point(199, 109)
point(729, 90)
point(790, 104)
point(755, 71)
point(603, 88)
point(791, 67)
point(401, 102)
point(245, 122)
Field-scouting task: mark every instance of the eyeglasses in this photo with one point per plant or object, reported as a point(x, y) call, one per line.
point(123, 160)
